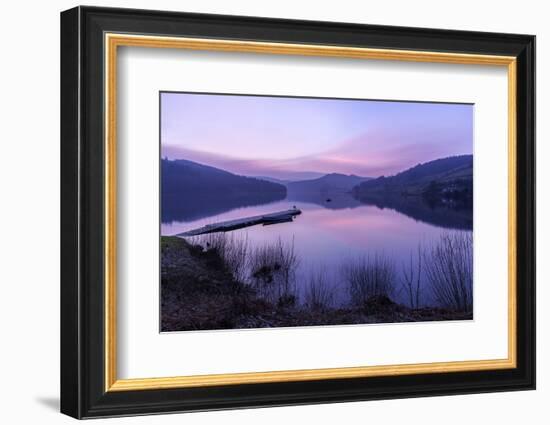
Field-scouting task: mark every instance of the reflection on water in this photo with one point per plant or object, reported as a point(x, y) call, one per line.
point(334, 230)
point(419, 209)
point(199, 205)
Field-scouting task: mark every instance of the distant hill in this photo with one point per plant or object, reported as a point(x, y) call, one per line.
point(291, 176)
point(272, 179)
point(190, 190)
point(446, 180)
point(328, 183)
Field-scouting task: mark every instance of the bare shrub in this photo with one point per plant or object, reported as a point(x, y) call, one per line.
point(233, 250)
point(369, 277)
point(449, 271)
point(318, 295)
point(412, 279)
point(273, 271)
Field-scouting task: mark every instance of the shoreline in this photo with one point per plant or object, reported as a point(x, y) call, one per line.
point(198, 292)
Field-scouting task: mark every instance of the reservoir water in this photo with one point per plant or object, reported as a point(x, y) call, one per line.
point(337, 229)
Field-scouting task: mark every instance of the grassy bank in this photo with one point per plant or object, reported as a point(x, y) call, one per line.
point(207, 286)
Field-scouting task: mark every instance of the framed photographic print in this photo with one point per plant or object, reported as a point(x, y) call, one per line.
point(261, 212)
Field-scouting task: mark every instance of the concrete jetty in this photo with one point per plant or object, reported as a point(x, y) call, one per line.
point(239, 223)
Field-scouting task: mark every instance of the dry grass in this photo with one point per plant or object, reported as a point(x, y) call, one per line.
point(318, 294)
point(412, 278)
point(273, 271)
point(233, 249)
point(449, 271)
point(368, 277)
point(444, 269)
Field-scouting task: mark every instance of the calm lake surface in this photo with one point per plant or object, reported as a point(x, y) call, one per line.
point(328, 234)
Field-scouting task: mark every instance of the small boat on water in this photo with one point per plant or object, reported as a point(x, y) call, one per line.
point(226, 226)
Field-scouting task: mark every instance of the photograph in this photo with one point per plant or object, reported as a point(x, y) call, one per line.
point(294, 211)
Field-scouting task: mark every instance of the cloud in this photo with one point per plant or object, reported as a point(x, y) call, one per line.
point(371, 154)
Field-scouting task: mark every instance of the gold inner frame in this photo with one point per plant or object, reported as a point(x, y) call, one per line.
point(113, 41)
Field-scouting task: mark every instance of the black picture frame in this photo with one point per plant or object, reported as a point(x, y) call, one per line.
point(83, 392)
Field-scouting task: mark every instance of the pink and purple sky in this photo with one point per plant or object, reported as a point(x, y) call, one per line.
point(297, 138)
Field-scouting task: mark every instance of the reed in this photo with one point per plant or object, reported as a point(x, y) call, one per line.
point(233, 250)
point(412, 278)
point(449, 271)
point(369, 277)
point(273, 271)
point(318, 294)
